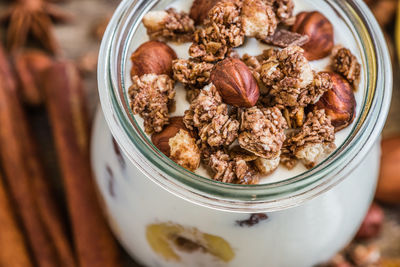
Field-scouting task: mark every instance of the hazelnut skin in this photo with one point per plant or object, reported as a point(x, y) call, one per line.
point(161, 139)
point(339, 102)
point(153, 57)
point(235, 82)
point(320, 31)
point(372, 223)
point(389, 181)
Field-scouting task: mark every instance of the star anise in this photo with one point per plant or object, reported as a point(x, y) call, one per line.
point(32, 18)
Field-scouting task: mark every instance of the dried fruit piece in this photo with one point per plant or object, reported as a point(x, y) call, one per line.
point(253, 220)
point(235, 82)
point(321, 33)
point(152, 57)
point(169, 240)
point(339, 102)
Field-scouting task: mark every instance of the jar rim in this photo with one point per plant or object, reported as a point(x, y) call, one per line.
point(244, 198)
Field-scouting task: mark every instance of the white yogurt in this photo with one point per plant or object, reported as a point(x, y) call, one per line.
point(343, 36)
point(296, 237)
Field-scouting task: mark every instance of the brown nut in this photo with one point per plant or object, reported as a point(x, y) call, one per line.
point(235, 82)
point(153, 57)
point(389, 182)
point(339, 102)
point(161, 139)
point(200, 9)
point(319, 29)
point(372, 223)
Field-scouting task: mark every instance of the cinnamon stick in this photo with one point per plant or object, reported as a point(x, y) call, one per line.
point(13, 252)
point(26, 179)
point(67, 112)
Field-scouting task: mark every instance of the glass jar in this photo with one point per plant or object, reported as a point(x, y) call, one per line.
point(165, 215)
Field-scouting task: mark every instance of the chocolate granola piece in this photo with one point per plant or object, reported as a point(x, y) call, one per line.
point(193, 74)
point(293, 83)
point(222, 166)
point(288, 63)
point(204, 108)
point(231, 170)
point(283, 9)
point(150, 96)
point(222, 30)
point(262, 131)
point(284, 38)
point(192, 94)
point(169, 25)
point(346, 64)
point(221, 131)
point(253, 220)
point(315, 139)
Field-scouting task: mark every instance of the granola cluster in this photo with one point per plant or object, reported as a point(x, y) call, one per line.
point(191, 73)
point(232, 170)
point(169, 25)
point(210, 117)
point(346, 64)
point(237, 142)
point(291, 80)
point(258, 18)
point(262, 131)
point(222, 31)
point(150, 97)
point(314, 141)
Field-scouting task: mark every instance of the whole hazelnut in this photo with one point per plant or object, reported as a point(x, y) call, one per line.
point(372, 223)
point(161, 139)
point(389, 181)
point(235, 82)
point(153, 57)
point(339, 102)
point(320, 31)
point(200, 8)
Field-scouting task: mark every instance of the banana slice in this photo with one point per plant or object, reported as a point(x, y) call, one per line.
point(170, 240)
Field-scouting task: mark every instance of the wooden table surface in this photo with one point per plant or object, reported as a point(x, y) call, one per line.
point(76, 41)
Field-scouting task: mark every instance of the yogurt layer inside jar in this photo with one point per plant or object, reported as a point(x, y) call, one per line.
point(235, 98)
